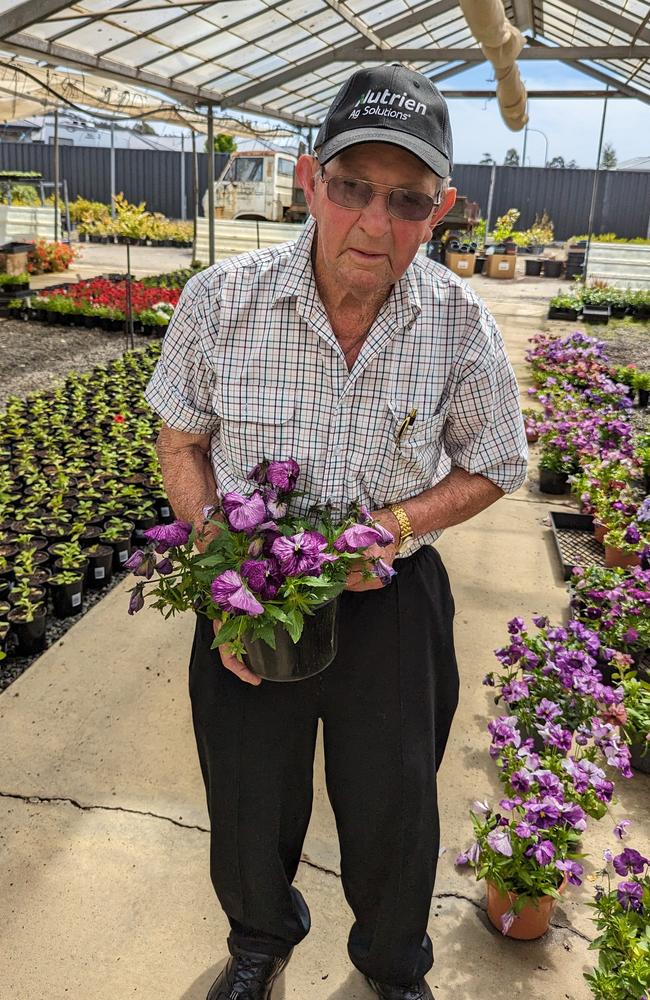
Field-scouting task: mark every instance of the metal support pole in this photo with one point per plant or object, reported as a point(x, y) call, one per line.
point(523, 155)
point(56, 173)
point(195, 191)
point(129, 307)
point(488, 217)
point(594, 189)
point(66, 202)
point(183, 198)
point(112, 169)
point(210, 184)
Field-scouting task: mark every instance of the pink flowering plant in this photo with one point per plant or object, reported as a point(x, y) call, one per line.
point(527, 847)
point(261, 566)
point(622, 918)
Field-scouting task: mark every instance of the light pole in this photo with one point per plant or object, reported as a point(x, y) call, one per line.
point(543, 134)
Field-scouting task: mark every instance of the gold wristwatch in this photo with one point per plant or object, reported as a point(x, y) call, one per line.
point(405, 526)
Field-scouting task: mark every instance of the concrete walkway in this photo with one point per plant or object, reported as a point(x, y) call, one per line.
point(104, 885)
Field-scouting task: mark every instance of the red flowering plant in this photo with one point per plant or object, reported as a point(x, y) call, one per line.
point(265, 568)
point(100, 293)
point(47, 257)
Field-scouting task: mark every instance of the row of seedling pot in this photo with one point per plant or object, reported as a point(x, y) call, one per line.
point(55, 571)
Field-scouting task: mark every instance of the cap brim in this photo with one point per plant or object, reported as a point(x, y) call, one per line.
point(430, 156)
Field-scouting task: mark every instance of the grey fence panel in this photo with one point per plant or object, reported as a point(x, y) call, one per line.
point(153, 176)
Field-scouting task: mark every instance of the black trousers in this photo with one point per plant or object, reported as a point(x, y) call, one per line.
point(386, 702)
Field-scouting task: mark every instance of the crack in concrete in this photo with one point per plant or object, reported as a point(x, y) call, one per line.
point(121, 809)
point(304, 860)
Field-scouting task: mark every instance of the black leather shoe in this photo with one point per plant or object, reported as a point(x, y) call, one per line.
point(416, 991)
point(247, 976)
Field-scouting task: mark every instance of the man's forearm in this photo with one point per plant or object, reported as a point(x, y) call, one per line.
point(189, 481)
point(453, 500)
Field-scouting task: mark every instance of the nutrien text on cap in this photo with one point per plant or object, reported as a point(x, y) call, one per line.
point(389, 104)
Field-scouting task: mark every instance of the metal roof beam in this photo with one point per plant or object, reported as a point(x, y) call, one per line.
point(536, 94)
point(523, 14)
point(28, 13)
point(433, 54)
point(615, 84)
point(63, 55)
point(599, 12)
point(346, 14)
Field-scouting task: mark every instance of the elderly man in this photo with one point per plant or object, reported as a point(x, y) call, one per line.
point(386, 378)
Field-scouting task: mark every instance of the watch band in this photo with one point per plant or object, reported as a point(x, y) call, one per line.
point(405, 526)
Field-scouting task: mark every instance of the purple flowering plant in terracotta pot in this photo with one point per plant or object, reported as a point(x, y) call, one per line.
point(527, 848)
point(616, 601)
point(265, 568)
point(622, 918)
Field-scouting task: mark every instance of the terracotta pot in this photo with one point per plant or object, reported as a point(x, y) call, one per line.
point(600, 530)
point(534, 919)
point(617, 557)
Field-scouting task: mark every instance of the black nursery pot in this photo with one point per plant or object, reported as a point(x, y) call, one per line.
point(644, 394)
point(552, 268)
point(533, 268)
point(121, 550)
point(553, 482)
point(164, 510)
point(30, 636)
point(100, 566)
point(141, 525)
point(639, 760)
point(291, 661)
point(67, 597)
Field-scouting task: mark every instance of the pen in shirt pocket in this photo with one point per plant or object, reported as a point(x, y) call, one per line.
point(406, 423)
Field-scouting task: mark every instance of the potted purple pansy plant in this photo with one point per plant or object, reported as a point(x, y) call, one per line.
point(270, 578)
point(622, 918)
point(527, 851)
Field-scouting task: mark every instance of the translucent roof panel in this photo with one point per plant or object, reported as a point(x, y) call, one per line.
point(286, 58)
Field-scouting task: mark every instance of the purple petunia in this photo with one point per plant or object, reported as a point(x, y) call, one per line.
point(230, 592)
point(302, 554)
point(167, 536)
point(244, 513)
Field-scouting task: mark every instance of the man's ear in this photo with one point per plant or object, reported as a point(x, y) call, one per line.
point(446, 206)
point(306, 167)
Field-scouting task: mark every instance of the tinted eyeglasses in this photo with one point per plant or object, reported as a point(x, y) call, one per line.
point(408, 206)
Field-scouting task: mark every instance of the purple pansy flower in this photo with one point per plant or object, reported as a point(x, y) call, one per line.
point(358, 536)
point(544, 852)
point(164, 566)
point(520, 781)
point(572, 870)
point(630, 895)
point(141, 563)
point(383, 571)
point(620, 830)
point(230, 593)
point(283, 475)
point(263, 576)
point(525, 830)
point(302, 554)
point(244, 513)
point(499, 840)
point(136, 601)
point(515, 691)
point(167, 536)
point(629, 862)
point(480, 808)
point(275, 506)
point(507, 921)
point(632, 534)
point(543, 814)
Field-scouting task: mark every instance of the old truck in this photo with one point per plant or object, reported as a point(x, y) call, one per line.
point(260, 184)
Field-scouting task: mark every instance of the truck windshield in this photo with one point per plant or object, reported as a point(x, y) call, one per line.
point(246, 168)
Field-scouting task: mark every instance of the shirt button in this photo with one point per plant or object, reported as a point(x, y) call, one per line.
point(337, 449)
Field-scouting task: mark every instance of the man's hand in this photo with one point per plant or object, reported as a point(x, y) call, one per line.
point(231, 662)
point(355, 579)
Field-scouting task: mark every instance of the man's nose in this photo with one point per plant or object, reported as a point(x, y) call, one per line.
point(375, 217)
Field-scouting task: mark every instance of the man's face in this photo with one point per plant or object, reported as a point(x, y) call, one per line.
point(366, 251)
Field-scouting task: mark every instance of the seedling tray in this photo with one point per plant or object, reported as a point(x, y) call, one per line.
point(574, 541)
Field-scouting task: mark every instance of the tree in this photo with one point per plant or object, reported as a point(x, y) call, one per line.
point(487, 160)
point(608, 159)
point(223, 144)
point(511, 158)
point(557, 161)
point(572, 165)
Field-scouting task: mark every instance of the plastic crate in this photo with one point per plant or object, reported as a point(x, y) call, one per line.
point(574, 541)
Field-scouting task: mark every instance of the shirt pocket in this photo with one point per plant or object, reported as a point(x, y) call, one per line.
point(256, 421)
point(406, 464)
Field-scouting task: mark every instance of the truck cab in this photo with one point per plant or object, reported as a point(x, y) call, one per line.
point(256, 184)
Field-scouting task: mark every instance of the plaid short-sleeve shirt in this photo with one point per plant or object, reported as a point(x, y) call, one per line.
point(250, 357)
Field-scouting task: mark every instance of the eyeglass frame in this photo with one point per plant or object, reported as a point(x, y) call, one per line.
point(437, 200)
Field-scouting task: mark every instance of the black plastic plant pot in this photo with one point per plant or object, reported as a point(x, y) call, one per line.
point(121, 550)
point(566, 314)
point(164, 510)
point(141, 525)
point(67, 597)
point(595, 314)
point(533, 268)
point(553, 482)
point(552, 268)
point(30, 635)
point(291, 661)
point(100, 565)
point(479, 264)
point(643, 397)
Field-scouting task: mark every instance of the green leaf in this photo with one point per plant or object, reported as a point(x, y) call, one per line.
point(294, 623)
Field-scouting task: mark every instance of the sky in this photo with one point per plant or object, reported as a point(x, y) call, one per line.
point(571, 126)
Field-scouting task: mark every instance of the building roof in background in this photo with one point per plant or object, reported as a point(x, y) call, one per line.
point(636, 163)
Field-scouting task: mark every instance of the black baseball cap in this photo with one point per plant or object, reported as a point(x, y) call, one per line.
point(389, 104)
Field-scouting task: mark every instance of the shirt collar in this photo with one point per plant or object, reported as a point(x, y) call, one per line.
point(297, 281)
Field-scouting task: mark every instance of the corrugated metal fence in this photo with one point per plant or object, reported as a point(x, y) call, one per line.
point(622, 206)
